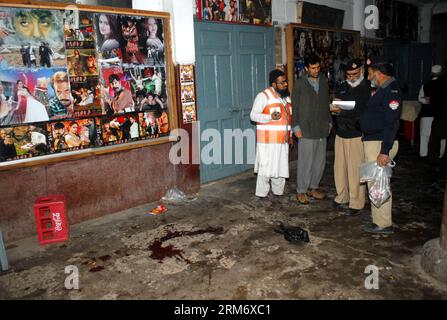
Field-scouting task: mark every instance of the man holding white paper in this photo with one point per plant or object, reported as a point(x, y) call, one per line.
point(351, 100)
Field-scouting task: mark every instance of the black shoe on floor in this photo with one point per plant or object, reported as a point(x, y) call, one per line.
point(339, 206)
point(352, 212)
point(375, 229)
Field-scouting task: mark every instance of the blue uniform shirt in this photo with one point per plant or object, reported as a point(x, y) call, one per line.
point(380, 121)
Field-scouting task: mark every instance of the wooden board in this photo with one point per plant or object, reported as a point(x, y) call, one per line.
point(171, 88)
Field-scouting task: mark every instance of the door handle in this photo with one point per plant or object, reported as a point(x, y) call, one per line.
point(235, 110)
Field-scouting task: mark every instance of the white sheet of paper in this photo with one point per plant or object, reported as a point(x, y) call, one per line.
point(344, 105)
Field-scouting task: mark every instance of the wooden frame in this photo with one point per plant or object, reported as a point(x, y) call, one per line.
point(170, 77)
point(291, 49)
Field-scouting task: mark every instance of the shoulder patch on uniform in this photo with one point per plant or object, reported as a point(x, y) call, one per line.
point(394, 104)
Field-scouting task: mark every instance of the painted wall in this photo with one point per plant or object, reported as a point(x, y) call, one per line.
point(93, 187)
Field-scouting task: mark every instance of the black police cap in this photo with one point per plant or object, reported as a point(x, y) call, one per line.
point(384, 67)
point(354, 64)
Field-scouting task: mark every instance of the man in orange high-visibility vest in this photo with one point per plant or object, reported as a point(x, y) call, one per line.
point(272, 111)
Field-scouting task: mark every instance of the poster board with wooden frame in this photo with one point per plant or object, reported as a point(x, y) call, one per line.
point(333, 46)
point(136, 57)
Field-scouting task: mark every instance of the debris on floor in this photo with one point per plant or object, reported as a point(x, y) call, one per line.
point(295, 235)
point(158, 210)
point(223, 247)
point(177, 196)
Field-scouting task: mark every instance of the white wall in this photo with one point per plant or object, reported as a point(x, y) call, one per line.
point(150, 5)
point(284, 11)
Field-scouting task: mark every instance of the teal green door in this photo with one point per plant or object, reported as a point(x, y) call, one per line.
point(232, 67)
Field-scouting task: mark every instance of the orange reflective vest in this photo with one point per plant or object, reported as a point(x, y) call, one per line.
point(276, 132)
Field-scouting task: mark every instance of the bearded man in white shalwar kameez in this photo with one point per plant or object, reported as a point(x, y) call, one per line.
point(272, 111)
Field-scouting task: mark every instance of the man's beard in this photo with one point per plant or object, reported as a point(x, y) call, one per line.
point(356, 83)
point(284, 93)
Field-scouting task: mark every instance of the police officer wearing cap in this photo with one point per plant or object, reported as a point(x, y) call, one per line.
point(380, 124)
point(349, 153)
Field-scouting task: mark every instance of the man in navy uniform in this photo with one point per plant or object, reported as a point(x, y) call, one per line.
point(349, 152)
point(380, 124)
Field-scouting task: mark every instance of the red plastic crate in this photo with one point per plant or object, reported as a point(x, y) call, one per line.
point(51, 219)
point(409, 130)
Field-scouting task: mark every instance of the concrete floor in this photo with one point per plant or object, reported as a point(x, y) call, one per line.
point(223, 246)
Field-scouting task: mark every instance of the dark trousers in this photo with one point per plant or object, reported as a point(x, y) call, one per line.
point(438, 133)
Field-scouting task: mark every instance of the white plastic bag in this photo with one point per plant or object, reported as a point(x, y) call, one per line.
point(380, 190)
point(367, 171)
point(176, 196)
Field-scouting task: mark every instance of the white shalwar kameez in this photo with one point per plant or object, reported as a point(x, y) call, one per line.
point(272, 160)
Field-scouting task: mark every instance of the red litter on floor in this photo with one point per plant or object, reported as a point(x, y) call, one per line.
point(158, 210)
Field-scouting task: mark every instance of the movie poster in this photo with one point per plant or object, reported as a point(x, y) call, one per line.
point(119, 129)
point(153, 37)
point(187, 92)
point(148, 87)
point(220, 10)
point(34, 95)
point(82, 64)
point(116, 92)
point(186, 73)
point(133, 30)
point(153, 124)
point(189, 112)
point(130, 40)
point(31, 38)
point(255, 11)
point(78, 27)
point(86, 94)
point(21, 142)
point(70, 135)
point(108, 37)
